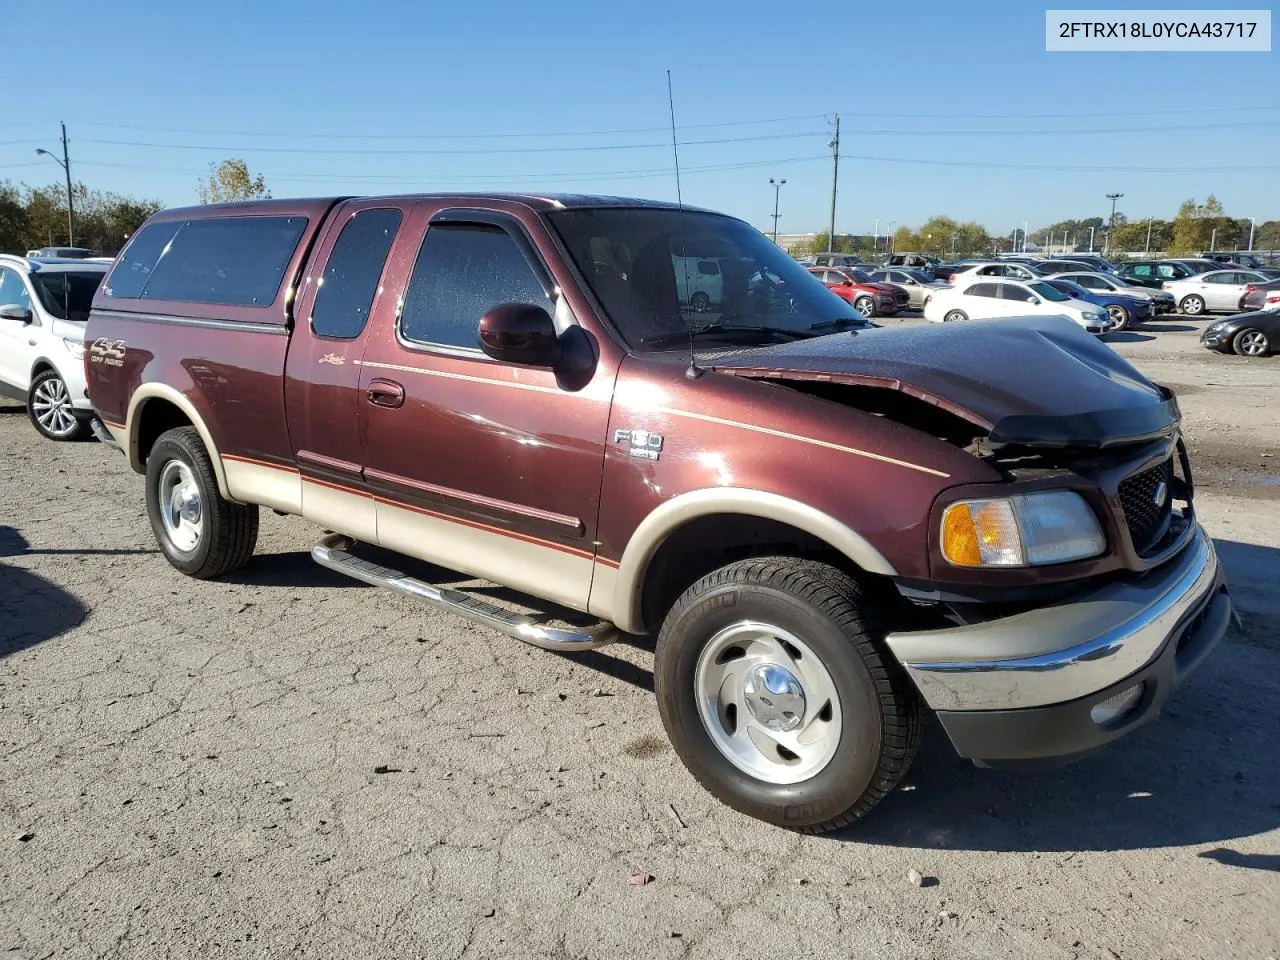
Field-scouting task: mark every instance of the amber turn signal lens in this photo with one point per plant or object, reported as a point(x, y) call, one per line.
point(960, 536)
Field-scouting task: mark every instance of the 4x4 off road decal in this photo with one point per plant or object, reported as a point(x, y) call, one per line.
point(110, 352)
point(642, 443)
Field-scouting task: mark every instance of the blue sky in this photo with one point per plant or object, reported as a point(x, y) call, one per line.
point(395, 97)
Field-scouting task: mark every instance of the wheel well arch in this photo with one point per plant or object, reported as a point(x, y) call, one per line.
point(692, 534)
point(156, 408)
point(41, 365)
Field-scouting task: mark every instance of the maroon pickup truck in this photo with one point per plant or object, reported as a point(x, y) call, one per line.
point(828, 525)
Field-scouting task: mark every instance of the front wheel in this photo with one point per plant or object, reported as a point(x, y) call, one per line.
point(1251, 343)
point(778, 696)
point(865, 306)
point(201, 533)
point(1192, 306)
point(951, 316)
point(49, 407)
point(700, 302)
point(1119, 317)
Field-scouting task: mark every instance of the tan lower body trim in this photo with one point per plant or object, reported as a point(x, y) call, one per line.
point(603, 584)
point(337, 508)
point(540, 571)
point(252, 482)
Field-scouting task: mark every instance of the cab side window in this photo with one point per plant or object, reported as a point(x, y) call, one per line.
point(351, 276)
point(462, 272)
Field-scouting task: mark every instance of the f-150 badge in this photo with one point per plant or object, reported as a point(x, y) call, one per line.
point(642, 443)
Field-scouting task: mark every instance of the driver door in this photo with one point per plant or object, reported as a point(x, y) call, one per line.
point(17, 340)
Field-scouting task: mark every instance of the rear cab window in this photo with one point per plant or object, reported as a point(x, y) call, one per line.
point(351, 274)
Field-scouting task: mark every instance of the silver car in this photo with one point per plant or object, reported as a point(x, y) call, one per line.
point(918, 284)
point(1216, 291)
point(1161, 300)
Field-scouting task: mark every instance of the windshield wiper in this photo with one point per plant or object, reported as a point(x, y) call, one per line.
point(840, 323)
point(721, 332)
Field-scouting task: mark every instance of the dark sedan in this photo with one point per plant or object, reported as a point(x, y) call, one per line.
point(1254, 334)
point(1121, 308)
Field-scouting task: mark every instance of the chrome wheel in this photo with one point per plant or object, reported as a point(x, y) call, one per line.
point(1192, 306)
point(1119, 317)
point(51, 407)
point(952, 316)
point(865, 306)
point(767, 702)
point(1252, 343)
point(181, 513)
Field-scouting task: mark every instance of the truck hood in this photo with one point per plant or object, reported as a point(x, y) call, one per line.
point(1034, 381)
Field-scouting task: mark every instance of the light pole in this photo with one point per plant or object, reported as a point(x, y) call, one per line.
point(1024, 236)
point(875, 241)
point(1213, 240)
point(1252, 223)
point(777, 189)
point(1111, 224)
point(65, 164)
point(888, 235)
point(1091, 239)
point(954, 238)
point(1148, 247)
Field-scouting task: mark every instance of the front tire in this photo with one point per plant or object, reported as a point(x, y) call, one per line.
point(50, 410)
point(1251, 342)
point(951, 316)
point(1192, 305)
point(1119, 317)
point(201, 533)
point(700, 302)
point(778, 696)
point(865, 306)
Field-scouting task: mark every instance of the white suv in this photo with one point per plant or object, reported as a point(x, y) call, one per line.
point(43, 308)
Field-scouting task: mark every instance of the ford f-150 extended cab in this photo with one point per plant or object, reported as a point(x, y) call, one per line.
point(829, 526)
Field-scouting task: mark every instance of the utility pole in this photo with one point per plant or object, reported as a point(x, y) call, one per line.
point(835, 176)
point(1213, 240)
point(1091, 239)
point(65, 164)
point(1252, 223)
point(875, 242)
point(1024, 236)
point(777, 188)
point(1111, 224)
point(1148, 248)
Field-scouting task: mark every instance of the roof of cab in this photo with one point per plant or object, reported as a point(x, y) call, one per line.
point(319, 205)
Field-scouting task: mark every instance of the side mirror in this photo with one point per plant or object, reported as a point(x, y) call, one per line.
point(1034, 301)
point(15, 311)
point(520, 333)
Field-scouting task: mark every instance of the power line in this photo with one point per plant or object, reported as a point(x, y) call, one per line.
point(1070, 167)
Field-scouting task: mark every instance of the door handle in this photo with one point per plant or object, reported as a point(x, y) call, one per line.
point(386, 393)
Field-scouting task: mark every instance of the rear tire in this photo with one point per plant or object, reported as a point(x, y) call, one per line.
point(1251, 342)
point(700, 302)
point(780, 640)
point(49, 408)
point(201, 533)
point(953, 315)
point(1192, 305)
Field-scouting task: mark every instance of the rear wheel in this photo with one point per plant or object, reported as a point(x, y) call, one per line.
point(1251, 343)
point(1119, 317)
point(49, 407)
point(953, 315)
point(865, 306)
point(778, 696)
point(1192, 305)
point(201, 533)
point(700, 302)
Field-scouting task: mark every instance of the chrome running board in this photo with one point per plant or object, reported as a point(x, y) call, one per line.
point(332, 552)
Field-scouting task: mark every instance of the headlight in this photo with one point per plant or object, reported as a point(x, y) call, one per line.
point(1022, 531)
point(1092, 316)
point(74, 347)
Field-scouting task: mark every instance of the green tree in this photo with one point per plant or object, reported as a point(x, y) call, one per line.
point(231, 180)
point(1197, 226)
point(13, 220)
point(103, 220)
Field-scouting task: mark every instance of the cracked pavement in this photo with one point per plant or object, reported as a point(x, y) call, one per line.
point(290, 764)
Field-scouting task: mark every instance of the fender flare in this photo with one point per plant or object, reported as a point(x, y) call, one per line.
point(676, 512)
point(160, 391)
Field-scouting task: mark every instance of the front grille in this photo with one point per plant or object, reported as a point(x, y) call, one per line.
point(1148, 519)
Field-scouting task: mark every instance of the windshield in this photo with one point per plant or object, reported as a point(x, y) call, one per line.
point(918, 275)
point(1048, 292)
point(67, 296)
point(643, 267)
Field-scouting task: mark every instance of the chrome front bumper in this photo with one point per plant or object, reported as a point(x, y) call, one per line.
point(996, 684)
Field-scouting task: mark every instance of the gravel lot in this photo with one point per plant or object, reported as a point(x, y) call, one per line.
point(292, 764)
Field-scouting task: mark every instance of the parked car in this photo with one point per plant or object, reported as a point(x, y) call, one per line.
point(917, 283)
point(983, 298)
point(1195, 264)
point(43, 309)
point(1099, 264)
point(996, 268)
point(60, 253)
point(1257, 296)
point(1161, 300)
point(1153, 273)
point(836, 260)
point(1218, 291)
point(869, 297)
point(508, 386)
point(698, 282)
point(1051, 268)
point(1236, 259)
point(1252, 334)
point(921, 261)
point(1122, 309)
